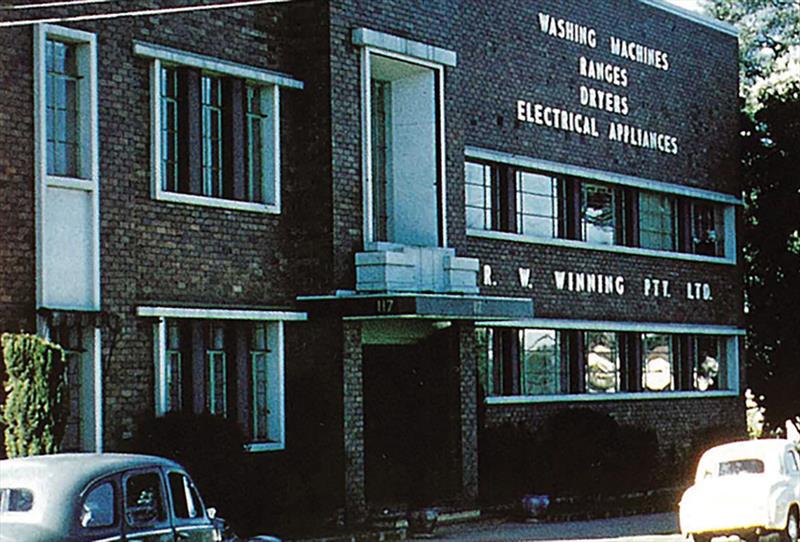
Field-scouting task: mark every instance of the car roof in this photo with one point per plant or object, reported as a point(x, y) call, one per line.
point(749, 448)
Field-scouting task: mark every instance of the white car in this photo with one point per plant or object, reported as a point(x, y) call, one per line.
point(746, 489)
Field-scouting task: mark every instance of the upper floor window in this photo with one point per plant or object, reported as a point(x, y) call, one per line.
point(657, 221)
point(602, 361)
point(480, 186)
point(539, 204)
point(657, 363)
point(707, 225)
point(601, 214)
point(216, 127)
point(63, 108)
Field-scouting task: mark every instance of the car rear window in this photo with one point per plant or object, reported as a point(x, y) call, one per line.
point(16, 499)
point(741, 466)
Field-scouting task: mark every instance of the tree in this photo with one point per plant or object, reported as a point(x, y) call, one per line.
point(770, 88)
point(34, 412)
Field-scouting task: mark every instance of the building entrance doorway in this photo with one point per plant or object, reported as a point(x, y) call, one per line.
point(411, 422)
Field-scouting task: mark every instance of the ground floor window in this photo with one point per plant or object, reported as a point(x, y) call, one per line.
point(533, 362)
point(228, 368)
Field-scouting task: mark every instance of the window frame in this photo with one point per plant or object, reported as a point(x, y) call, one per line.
point(275, 320)
point(271, 155)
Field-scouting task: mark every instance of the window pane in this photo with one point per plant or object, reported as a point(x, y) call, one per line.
point(479, 203)
point(707, 363)
point(381, 154)
point(657, 221)
point(184, 503)
point(598, 214)
point(486, 362)
point(538, 205)
point(540, 371)
point(16, 499)
point(260, 382)
point(143, 500)
point(602, 362)
point(211, 114)
point(657, 365)
point(61, 106)
point(216, 371)
point(98, 507)
point(707, 228)
point(169, 130)
point(255, 124)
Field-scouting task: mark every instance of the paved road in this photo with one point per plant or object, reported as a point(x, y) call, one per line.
point(650, 528)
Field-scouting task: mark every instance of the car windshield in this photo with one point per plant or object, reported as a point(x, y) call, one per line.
point(15, 499)
point(741, 466)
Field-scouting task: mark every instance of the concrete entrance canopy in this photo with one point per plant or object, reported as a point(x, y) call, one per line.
point(418, 305)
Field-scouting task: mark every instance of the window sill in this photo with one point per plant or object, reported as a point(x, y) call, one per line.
point(256, 447)
point(625, 396)
point(571, 243)
point(205, 201)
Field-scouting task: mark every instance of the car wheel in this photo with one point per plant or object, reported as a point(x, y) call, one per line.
point(697, 537)
point(790, 534)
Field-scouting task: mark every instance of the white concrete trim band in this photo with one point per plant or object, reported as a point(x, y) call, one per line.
point(366, 37)
point(608, 325)
point(222, 67)
point(220, 314)
point(598, 175)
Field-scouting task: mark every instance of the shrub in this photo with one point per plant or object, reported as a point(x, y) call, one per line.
point(33, 413)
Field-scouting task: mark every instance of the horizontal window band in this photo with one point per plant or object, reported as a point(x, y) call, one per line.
point(631, 327)
point(594, 397)
point(222, 67)
point(619, 249)
point(557, 168)
point(219, 314)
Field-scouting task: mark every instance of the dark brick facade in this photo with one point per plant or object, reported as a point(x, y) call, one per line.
point(159, 253)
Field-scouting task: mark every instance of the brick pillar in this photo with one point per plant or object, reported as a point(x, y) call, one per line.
point(468, 406)
point(354, 472)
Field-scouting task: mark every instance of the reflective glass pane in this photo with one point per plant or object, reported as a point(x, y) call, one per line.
point(602, 362)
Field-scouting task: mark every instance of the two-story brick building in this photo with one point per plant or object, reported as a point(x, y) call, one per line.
point(372, 232)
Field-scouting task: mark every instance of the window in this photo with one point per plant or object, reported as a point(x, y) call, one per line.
point(228, 368)
point(186, 502)
point(707, 228)
point(480, 187)
point(215, 130)
point(657, 221)
point(741, 466)
point(708, 363)
point(539, 205)
point(403, 150)
point(657, 363)
point(535, 362)
point(16, 499)
point(792, 464)
point(602, 362)
point(98, 507)
point(63, 125)
point(144, 501)
point(540, 362)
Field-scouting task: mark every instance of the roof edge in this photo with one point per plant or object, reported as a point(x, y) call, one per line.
point(693, 16)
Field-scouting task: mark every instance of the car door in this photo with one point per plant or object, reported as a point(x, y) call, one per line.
point(189, 517)
point(98, 514)
point(144, 507)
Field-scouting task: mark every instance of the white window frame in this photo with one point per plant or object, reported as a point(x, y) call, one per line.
point(276, 344)
point(271, 81)
point(375, 43)
point(731, 335)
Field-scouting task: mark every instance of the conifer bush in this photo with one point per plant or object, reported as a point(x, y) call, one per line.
point(33, 414)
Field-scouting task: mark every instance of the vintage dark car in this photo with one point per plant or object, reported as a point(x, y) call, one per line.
point(101, 497)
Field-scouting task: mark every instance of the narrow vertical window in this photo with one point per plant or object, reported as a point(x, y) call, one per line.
point(259, 382)
point(381, 156)
point(216, 371)
point(709, 366)
point(657, 221)
point(602, 362)
point(174, 368)
point(486, 361)
point(255, 127)
point(658, 367)
point(169, 129)
point(479, 195)
point(211, 114)
point(63, 121)
point(599, 214)
point(539, 203)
